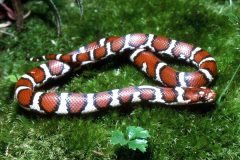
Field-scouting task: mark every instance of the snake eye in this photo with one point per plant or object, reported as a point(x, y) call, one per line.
point(200, 95)
point(206, 95)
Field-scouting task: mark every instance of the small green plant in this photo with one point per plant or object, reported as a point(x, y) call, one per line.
point(135, 138)
point(13, 77)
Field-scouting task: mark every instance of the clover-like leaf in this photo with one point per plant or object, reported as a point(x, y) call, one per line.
point(118, 138)
point(136, 138)
point(140, 144)
point(137, 132)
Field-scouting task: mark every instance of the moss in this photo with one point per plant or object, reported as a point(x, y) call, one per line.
point(205, 132)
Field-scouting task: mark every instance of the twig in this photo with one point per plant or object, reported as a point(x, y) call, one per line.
point(57, 16)
point(5, 24)
point(7, 33)
point(17, 5)
point(80, 5)
point(228, 85)
point(98, 153)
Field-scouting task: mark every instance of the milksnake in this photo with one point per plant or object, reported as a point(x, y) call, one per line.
point(144, 50)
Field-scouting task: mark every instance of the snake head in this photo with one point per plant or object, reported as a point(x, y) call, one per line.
point(200, 95)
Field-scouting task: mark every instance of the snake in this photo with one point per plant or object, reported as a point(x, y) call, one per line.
point(146, 52)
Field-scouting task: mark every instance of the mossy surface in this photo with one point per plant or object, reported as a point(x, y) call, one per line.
point(201, 132)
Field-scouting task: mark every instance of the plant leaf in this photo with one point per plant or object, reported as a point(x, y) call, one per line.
point(118, 138)
point(137, 132)
point(140, 144)
point(13, 78)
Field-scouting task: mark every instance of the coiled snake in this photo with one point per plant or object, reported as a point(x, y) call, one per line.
point(179, 88)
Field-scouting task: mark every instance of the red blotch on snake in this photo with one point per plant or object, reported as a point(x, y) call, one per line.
point(49, 102)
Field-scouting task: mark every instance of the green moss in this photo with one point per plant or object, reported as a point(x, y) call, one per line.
point(203, 132)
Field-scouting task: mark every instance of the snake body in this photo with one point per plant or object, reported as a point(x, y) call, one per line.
point(144, 50)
